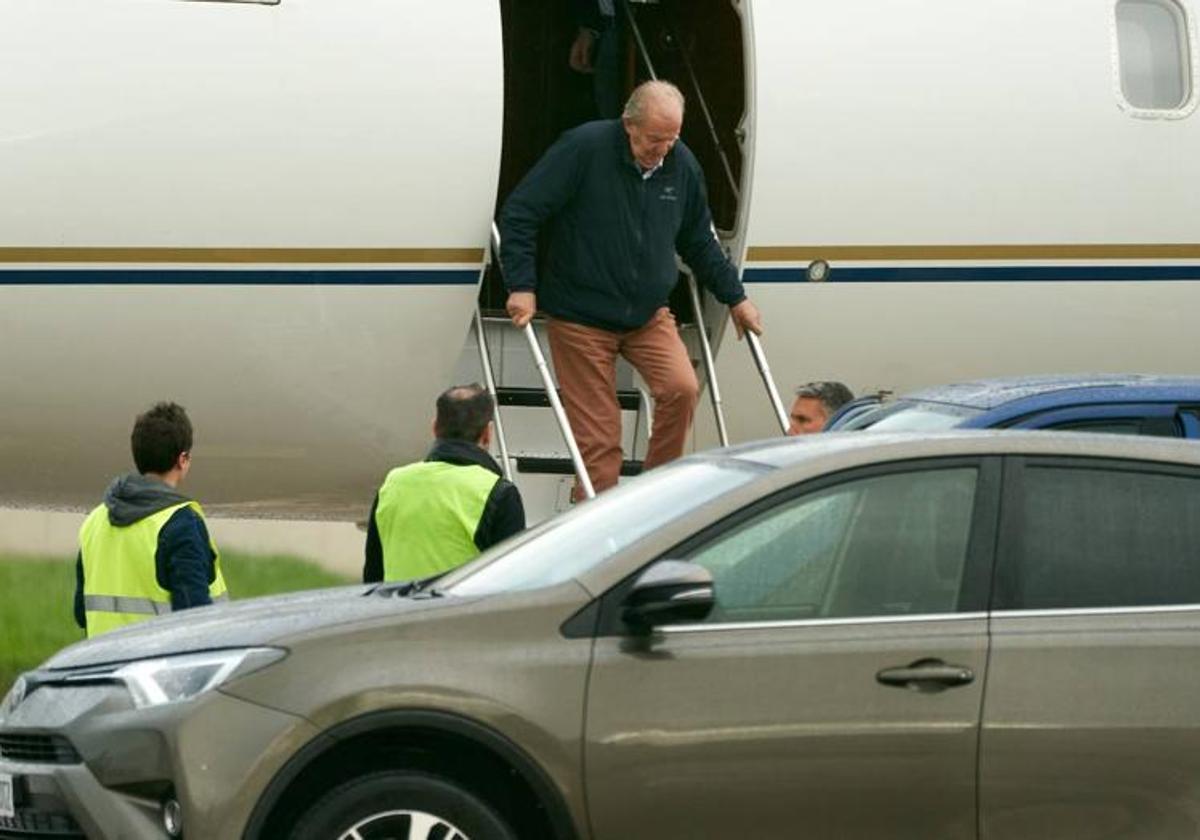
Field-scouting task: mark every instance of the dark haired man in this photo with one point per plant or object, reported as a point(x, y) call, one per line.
point(436, 514)
point(146, 549)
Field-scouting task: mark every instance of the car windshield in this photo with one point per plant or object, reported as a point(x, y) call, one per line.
point(569, 544)
point(905, 416)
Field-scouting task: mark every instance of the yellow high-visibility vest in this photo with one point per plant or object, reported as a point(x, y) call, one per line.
point(427, 515)
point(120, 584)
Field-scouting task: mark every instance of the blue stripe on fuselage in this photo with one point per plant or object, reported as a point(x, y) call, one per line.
point(457, 277)
point(976, 274)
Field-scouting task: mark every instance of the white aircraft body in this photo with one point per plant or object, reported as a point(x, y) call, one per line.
point(277, 214)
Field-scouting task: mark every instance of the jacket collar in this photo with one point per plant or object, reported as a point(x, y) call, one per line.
point(626, 153)
point(463, 454)
point(133, 497)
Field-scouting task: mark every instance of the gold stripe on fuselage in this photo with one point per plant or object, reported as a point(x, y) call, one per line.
point(756, 253)
point(243, 256)
point(807, 253)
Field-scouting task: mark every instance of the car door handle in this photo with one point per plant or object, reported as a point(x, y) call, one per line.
point(926, 675)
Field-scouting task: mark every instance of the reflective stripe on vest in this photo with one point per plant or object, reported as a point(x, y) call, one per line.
point(120, 582)
point(120, 604)
point(427, 515)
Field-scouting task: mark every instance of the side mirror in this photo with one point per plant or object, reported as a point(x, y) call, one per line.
point(669, 592)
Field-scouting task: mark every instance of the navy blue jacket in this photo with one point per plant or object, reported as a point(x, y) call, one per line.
point(184, 564)
point(503, 512)
point(587, 13)
point(612, 236)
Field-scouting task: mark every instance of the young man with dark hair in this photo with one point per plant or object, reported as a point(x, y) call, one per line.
point(146, 549)
point(436, 514)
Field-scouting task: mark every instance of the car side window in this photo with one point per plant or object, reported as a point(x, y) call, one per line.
point(1111, 427)
point(1093, 537)
point(1152, 426)
point(884, 545)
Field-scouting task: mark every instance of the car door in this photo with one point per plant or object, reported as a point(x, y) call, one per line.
point(835, 689)
point(1091, 724)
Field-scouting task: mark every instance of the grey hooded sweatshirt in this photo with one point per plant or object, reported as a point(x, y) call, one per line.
point(184, 563)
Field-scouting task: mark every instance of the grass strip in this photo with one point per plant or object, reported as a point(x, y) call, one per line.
point(36, 598)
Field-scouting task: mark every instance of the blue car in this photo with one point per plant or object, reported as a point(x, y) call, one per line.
point(1163, 406)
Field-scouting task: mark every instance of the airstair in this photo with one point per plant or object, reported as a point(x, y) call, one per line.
point(536, 447)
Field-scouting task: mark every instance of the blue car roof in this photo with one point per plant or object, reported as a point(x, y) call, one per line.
point(1018, 394)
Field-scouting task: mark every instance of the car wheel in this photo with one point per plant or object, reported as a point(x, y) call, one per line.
point(401, 806)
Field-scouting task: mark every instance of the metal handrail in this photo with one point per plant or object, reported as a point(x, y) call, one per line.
point(644, 53)
point(564, 425)
point(485, 361)
point(710, 368)
point(712, 126)
point(764, 369)
point(637, 36)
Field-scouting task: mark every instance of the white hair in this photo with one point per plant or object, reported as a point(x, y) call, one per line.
point(651, 93)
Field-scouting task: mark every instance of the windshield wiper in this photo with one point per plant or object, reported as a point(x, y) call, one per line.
point(424, 588)
point(418, 587)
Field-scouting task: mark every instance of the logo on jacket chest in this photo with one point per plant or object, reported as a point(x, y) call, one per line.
point(668, 194)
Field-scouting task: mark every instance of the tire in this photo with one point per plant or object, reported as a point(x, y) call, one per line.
point(401, 805)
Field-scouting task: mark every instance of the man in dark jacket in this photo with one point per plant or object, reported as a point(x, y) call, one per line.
point(439, 513)
point(616, 200)
point(146, 550)
point(596, 51)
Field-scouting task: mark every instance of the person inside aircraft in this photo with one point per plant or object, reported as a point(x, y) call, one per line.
point(815, 403)
point(146, 549)
point(616, 199)
point(436, 514)
point(596, 50)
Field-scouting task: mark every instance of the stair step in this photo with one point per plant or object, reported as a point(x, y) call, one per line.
point(499, 316)
point(564, 466)
point(536, 398)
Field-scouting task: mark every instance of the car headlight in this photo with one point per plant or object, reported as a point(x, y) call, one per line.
point(153, 682)
point(13, 699)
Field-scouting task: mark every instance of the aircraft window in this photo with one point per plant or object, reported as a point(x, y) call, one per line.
point(1153, 49)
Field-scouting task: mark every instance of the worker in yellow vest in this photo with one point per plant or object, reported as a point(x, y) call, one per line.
point(146, 550)
point(436, 514)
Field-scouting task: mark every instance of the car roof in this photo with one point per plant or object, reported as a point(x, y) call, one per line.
point(1048, 391)
point(846, 449)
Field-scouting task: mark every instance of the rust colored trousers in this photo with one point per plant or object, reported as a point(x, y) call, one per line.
point(585, 359)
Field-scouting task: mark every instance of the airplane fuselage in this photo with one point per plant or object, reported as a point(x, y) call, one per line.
point(277, 215)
